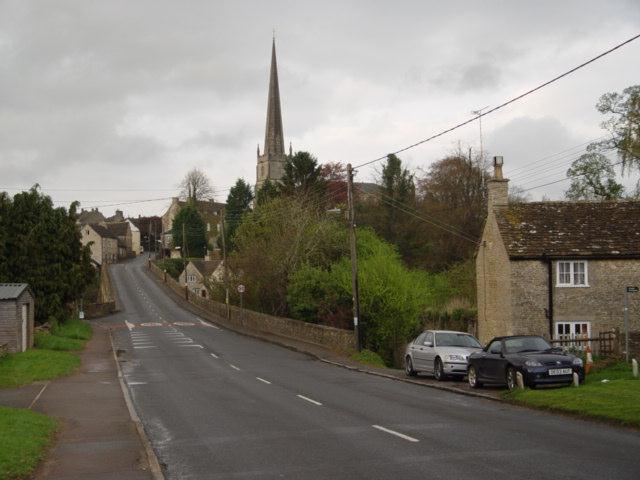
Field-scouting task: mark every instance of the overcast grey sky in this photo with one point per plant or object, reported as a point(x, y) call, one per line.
point(129, 95)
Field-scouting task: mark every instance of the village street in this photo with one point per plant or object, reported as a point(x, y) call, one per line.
point(217, 404)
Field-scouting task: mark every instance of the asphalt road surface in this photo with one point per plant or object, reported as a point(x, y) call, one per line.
point(217, 404)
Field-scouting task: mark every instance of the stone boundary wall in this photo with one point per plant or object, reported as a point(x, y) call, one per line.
point(106, 297)
point(335, 339)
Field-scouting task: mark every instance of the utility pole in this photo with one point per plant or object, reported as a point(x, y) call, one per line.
point(357, 330)
point(184, 246)
point(224, 262)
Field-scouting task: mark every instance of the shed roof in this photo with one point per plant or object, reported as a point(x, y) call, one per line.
point(571, 229)
point(11, 291)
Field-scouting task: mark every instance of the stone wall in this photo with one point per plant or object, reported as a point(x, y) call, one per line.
point(493, 272)
point(260, 323)
point(529, 298)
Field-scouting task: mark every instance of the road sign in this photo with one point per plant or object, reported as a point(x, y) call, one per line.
point(240, 288)
point(633, 289)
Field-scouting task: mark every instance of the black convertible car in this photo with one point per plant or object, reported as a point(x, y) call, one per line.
point(539, 363)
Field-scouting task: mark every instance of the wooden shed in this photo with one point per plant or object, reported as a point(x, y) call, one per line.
point(16, 316)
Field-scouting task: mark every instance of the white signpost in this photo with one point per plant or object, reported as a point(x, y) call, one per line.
point(241, 291)
point(628, 290)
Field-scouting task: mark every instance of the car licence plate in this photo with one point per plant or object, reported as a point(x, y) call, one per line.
point(560, 371)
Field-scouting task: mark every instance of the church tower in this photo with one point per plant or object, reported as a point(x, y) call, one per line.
point(271, 162)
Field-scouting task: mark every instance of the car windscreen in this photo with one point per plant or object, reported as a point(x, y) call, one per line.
point(456, 340)
point(525, 344)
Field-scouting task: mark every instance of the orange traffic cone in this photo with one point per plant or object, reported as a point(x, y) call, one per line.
point(589, 362)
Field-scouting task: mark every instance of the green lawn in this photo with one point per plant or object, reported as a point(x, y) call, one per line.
point(617, 400)
point(24, 437)
point(35, 364)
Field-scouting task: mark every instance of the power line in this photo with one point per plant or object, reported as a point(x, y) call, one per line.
point(504, 104)
point(566, 178)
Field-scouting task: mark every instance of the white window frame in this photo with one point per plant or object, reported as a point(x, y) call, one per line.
point(191, 278)
point(572, 272)
point(572, 335)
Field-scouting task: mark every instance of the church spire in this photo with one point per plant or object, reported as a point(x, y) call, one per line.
point(273, 137)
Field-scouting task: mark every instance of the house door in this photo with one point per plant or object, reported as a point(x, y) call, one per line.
point(25, 321)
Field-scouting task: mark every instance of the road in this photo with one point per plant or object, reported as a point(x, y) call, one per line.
point(220, 405)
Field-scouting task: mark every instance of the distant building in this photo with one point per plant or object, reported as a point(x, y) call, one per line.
point(198, 273)
point(150, 231)
point(557, 269)
point(271, 161)
point(210, 211)
point(104, 244)
point(16, 317)
point(122, 231)
point(135, 238)
point(90, 216)
point(118, 217)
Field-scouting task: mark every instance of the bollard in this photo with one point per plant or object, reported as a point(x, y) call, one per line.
point(634, 366)
point(576, 380)
point(520, 380)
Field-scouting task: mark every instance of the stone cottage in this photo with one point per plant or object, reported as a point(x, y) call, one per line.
point(210, 211)
point(16, 317)
point(122, 231)
point(557, 269)
point(104, 246)
point(195, 273)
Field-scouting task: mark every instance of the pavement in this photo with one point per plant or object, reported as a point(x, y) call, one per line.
point(97, 438)
point(217, 404)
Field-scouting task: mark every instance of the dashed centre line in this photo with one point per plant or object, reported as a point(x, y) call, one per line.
point(310, 400)
point(214, 355)
point(397, 434)
point(234, 367)
point(263, 380)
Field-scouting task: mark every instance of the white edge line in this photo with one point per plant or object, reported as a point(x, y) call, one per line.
point(263, 380)
point(397, 434)
point(214, 355)
point(189, 345)
point(234, 367)
point(38, 396)
point(146, 346)
point(309, 400)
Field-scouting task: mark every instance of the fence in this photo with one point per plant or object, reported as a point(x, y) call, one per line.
point(260, 323)
point(606, 344)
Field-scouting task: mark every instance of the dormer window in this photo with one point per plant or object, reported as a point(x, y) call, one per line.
point(572, 274)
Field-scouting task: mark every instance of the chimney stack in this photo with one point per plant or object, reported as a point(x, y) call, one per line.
point(498, 187)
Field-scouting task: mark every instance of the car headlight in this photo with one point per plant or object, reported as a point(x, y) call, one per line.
point(532, 363)
point(577, 362)
point(456, 358)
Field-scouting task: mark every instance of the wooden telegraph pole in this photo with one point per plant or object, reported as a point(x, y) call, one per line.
point(224, 261)
point(357, 329)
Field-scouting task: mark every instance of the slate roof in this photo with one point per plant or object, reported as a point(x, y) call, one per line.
point(206, 267)
point(11, 291)
point(571, 229)
point(119, 229)
point(206, 207)
point(102, 230)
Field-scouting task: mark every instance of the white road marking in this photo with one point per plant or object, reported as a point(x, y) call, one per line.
point(397, 434)
point(263, 380)
point(38, 396)
point(310, 400)
point(146, 346)
point(234, 367)
point(207, 324)
point(184, 324)
point(130, 326)
point(214, 355)
point(190, 345)
point(136, 383)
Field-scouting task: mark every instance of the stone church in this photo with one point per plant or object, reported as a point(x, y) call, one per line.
point(271, 162)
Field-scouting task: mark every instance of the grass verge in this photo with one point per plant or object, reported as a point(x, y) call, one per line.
point(73, 328)
point(24, 437)
point(615, 399)
point(46, 341)
point(35, 364)
point(369, 358)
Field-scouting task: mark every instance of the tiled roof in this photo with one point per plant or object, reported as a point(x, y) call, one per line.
point(206, 267)
point(571, 229)
point(206, 207)
point(11, 291)
point(119, 229)
point(102, 231)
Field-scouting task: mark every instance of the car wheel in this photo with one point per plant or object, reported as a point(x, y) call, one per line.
point(472, 377)
point(512, 382)
point(408, 367)
point(438, 370)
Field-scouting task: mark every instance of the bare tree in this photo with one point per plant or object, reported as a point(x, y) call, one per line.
point(196, 186)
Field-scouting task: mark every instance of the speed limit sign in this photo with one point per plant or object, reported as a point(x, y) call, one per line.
point(240, 288)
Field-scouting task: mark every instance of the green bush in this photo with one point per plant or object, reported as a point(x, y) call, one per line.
point(460, 319)
point(173, 266)
point(369, 358)
point(72, 328)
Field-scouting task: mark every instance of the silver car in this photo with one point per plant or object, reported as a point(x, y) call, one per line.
point(442, 353)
